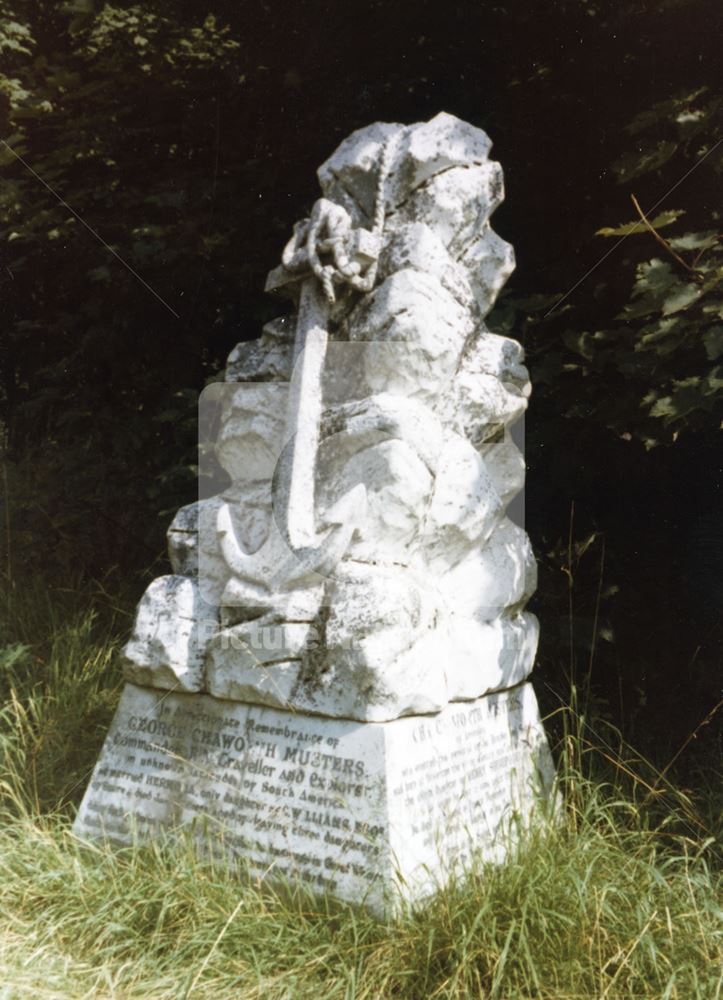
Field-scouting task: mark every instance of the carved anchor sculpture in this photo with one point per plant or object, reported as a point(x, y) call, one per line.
point(295, 553)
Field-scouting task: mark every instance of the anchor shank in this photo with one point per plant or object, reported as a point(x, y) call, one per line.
point(296, 489)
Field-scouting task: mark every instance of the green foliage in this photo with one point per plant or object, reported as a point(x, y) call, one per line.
point(629, 228)
point(166, 151)
point(58, 689)
point(109, 229)
point(186, 138)
point(603, 911)
point(648, 369)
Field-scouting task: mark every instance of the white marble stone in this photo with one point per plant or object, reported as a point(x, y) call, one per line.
point(402, 485)
point(373, 813)
point(416, 245)
point(443, 142)
point(479, 406)
point(412, 308)
point(465, 507)
point(505, 465)
point(491, 354)
point(349, 176)
point(386, 644)
point(419, 153)
point(456, 203)
point(491, 578)
point(268, 358)
point(171, 632)
point(331, 685)
point(260, 660)
point(489, 261)
point(252, 431)
point(367, 439)
point(193, 538)
point(489, 656)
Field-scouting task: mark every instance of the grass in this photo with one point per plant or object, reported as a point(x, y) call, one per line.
point(621, 898)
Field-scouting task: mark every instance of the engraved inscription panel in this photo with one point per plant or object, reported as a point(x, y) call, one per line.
point(300, 795)
point(344, 806)
point(462, 780)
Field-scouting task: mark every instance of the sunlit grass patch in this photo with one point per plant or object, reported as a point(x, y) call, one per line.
point(619, 898)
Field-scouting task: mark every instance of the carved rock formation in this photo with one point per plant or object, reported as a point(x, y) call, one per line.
point(421, 601)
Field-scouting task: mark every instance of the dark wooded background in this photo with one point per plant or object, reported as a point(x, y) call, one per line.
point(187, 136)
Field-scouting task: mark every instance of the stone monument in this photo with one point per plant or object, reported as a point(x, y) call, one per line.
point(332, 683)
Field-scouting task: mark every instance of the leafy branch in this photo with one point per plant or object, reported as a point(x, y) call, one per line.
point(664, 243)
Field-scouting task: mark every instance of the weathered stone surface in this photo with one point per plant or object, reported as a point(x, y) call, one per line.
point(371, 813)
point(505, 465)
point(386, 644)
point(489, 261)
point(354, 426)
point(264, 360)
point(419, 152)
point(252, 430)
point(490, 354)
point(479, 406)
point(342, 649)
point(489, 579)
point(414, 309)
point(349, 176)
point(395, 506)
point(443, 142)
point(361, 561)
point(456, 203)
point(299, 604)
point(258, 660)
point(182, 538)
point(172, 629)
point(416, 245)
point(489, 656)
point(392, 445)
point(375, 640)
point(464, 507)
point(193, 538)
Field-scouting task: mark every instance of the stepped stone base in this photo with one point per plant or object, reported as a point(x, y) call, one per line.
point(365, 811)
